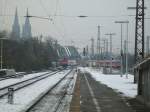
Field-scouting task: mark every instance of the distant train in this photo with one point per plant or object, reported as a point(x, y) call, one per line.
point(63, 62)
point(107, 63)
point(66, 62)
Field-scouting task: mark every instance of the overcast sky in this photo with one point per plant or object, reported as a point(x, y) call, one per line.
point(69, 28)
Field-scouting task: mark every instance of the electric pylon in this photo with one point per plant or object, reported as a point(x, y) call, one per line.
point(139, 31)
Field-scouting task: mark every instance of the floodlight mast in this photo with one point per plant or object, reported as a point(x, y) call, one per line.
point(121, 50)
point(110, 34)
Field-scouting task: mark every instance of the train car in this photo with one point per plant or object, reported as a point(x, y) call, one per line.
point(63, 62)
point(72, 62)
point(107, 63)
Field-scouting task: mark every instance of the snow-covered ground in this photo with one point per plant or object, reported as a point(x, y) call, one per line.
point(24, 97)
point(120, 84)
point(51, 101)
point(11, 81)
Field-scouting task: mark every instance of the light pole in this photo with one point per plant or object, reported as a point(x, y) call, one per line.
point(111, 34)
point(98, 43)
point(92, 47)
point(121, 51)
point(99, 51)
point(1, 57)
point(105, 47)
point(127, 22)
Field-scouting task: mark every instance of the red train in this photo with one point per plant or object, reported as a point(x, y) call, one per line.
point(107, 63)
point(63, 62)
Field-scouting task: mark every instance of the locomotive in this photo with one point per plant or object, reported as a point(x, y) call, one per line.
point(63, 62)
point(67, 62)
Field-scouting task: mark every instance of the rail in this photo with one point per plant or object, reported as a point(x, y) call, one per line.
point(25, 83)
point(51, 89)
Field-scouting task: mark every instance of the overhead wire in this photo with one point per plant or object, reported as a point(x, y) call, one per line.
point(55, 12)
point(43, 7)
point(54, 18)
point(3, 12)
point(62, 22)
point(49, 17)
point(75, 16)
point(24, 6)
point(57, 15)
point(4, 20)
point(7, 18)
point(58, 7)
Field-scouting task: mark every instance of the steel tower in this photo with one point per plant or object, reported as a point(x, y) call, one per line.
point(139, 31)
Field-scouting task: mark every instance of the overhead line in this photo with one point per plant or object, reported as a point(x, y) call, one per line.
point(80, 16)
point(49, 16)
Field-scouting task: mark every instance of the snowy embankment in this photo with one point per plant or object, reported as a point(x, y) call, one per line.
point(11, 81)
point(25, 97)
point(116, 82)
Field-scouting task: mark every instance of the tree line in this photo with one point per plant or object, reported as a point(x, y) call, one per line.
point(28, 54)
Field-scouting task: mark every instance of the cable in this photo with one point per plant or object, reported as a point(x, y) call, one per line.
point(6, 23)
point(57, 3)
point(49, 16)
point(58, 7)
point(4, 12)
point(67, 16)
point(43, 7)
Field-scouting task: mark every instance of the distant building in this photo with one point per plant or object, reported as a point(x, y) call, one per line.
point(26, 31)
point(15, 34)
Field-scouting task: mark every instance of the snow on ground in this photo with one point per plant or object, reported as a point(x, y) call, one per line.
point(51, 102)
point(11, 81)
point(118, 83)
point(24, 97)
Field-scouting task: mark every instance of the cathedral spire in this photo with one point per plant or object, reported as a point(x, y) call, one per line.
point(26, 33)
point(15, 27)
point(27, 12)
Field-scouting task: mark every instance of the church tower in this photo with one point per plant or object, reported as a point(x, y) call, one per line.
point(26, 31)
point(15, 34)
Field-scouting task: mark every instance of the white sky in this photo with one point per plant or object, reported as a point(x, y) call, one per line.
point(79, 30)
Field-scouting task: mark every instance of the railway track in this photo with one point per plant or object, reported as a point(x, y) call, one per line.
point(4, 78)
point(10, 77)
point(14, 76)
point(25, 83)
point(60, 103)
point(61, 96)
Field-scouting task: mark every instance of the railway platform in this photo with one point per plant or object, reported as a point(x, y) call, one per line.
point(92, 96)
point(75, 103)
point(69, 92)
